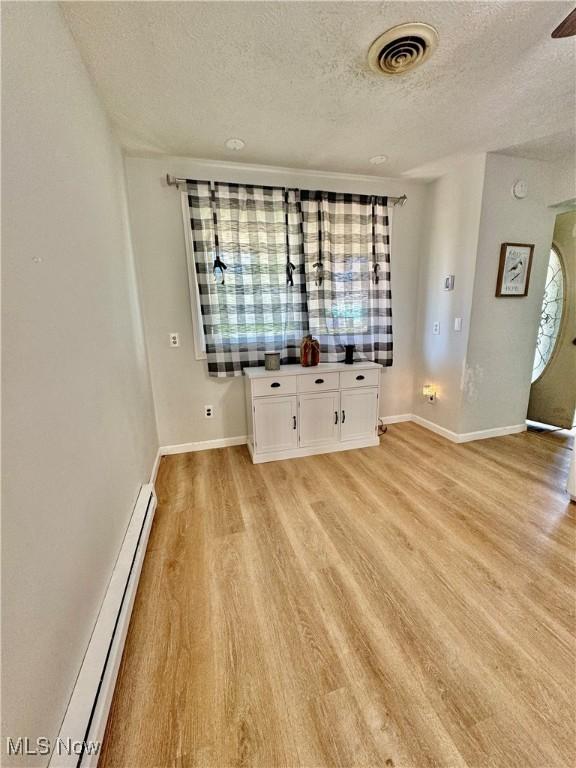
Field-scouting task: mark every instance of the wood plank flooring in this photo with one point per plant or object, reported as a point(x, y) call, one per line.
point(409, 605)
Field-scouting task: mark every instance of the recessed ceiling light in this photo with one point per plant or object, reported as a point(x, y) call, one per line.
point(378, 159)
point(235, 144)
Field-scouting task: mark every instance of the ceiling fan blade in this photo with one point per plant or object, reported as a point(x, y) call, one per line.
point(566, 28)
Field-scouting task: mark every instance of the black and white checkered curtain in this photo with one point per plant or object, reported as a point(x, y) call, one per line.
point(250, 269)
point(274, 264)
point(347, 258)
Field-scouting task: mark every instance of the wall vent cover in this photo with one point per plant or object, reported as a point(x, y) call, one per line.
point(402, 48)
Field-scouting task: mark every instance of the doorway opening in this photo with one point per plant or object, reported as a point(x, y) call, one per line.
point(552, 403)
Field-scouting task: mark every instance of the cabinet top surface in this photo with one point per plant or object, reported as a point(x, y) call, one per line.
point(259, 372)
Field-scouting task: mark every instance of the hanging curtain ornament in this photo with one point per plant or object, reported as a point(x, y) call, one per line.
point(319, 276)
point(289, 273)
point(289, 266)
point(219, 264)
point(376, 267)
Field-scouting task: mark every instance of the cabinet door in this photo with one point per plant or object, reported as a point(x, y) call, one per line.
point(275, 424)
point(358, 413)
point(319, 418)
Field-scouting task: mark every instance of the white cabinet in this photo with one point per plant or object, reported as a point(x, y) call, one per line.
point(301, 411)
point(275, 423)
point(319, 418)
point(358, 413)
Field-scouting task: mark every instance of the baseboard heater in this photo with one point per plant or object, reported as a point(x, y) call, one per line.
point(84, 723)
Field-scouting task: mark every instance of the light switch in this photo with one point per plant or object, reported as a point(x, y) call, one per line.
point(458, 324)
point(436, 328)
point(448, 283)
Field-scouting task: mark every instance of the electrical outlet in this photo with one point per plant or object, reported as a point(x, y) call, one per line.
point(429, 393)
point(458, 324)
point(208, 412)
point(436, 328)
point(174, 339)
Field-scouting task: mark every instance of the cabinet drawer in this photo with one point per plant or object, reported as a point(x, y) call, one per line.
point(317, 382)
point(281, 385)
point(359, 378)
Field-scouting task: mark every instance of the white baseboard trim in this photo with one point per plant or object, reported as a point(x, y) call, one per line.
point(467, 437)
point(396, 419)
point(203, 445)
point(430, 425)
point(454, 437)
point(87, 711)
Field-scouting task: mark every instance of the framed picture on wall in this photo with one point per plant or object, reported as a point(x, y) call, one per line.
point(514, 269)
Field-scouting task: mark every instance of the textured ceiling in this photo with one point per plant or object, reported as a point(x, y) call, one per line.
point(555, 148)
point(290, 78)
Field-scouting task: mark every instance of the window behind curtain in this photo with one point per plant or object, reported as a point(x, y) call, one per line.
point(348, 236)
point(273, 265)
point(247, 243)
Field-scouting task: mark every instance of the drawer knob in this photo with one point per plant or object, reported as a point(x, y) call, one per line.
point(275, 384)
point(319, 381)
point(360, 378)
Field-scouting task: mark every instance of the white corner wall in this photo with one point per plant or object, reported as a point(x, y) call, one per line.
point(481, 374)
point(180, 382)
point(79, 434)
point(503, 330)
point(450, 247)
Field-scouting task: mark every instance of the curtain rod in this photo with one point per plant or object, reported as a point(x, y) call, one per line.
point(174, 181)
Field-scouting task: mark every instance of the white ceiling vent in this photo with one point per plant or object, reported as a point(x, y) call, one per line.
point(402, 48)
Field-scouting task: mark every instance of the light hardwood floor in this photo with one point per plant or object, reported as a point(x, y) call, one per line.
point(409, 605)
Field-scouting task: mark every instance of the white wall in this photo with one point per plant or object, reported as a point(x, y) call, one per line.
point(451, 244)
point(78, 434)
point(503, 330)
point(180, 382)
point(482, 374)
point(563, 180)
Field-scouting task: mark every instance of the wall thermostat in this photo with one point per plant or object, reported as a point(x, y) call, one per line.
point(520, 189)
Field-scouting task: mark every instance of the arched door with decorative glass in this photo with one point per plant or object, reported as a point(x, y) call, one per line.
point(553, 390)
point(550, 314)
